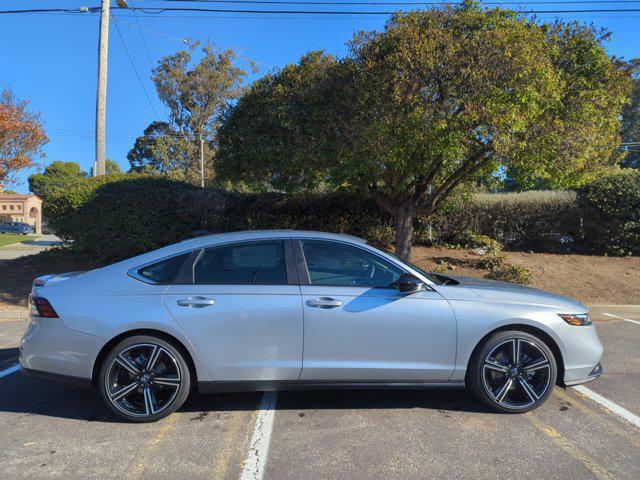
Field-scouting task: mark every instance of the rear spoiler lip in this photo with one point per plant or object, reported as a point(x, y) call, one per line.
point(45, 280)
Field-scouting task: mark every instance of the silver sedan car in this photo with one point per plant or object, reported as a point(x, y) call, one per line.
point(267, 310)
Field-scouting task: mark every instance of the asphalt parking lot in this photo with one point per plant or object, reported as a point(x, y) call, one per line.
point(53, 431)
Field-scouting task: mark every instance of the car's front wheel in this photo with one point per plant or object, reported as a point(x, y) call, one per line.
point(144, 378)
point(513, 372)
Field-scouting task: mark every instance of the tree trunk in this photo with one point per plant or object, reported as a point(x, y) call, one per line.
point(404, 232)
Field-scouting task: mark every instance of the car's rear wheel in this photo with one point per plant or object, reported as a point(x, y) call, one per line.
point(144, 378)
point(513, 372)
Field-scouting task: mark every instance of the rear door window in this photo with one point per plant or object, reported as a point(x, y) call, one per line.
point(251, 263)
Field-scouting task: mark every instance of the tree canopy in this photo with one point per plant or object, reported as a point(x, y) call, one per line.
point(631, 121)
point(22, 137)
point(56, 175)
point(437, 98)
point(111, 167)
point(195, 92)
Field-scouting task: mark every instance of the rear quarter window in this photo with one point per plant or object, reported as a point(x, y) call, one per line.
point(162, 272)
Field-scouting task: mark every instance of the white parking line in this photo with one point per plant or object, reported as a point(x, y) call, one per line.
point(259, 446)
point(614, 407)
point(621, 318)
point(10, 370)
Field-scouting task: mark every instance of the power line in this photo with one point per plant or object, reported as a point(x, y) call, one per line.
point(44, 10)
point(160, 10)
point(186, 41)
point(144, 42)
point(133, 65)
point(306, 2)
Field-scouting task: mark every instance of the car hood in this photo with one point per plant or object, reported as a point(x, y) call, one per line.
point(510, 292)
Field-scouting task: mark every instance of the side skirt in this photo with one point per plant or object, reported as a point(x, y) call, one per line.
point(283, 385)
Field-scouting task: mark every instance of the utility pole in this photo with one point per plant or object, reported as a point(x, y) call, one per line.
point(201, 161)
point(101, 98)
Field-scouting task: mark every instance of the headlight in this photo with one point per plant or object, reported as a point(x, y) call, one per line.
point(578, 319)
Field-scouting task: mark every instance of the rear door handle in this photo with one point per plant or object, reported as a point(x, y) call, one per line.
point(324, 302)
point(196, 302)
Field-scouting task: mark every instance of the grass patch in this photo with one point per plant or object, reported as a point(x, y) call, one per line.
point(10, 239)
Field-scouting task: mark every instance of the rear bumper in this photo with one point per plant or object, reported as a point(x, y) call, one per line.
point(595, 373)
point(57, 378)
point(50, 348)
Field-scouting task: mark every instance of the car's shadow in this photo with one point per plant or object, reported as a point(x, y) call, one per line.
point(24, 395)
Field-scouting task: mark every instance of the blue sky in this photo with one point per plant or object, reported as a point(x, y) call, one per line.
point(51, 59)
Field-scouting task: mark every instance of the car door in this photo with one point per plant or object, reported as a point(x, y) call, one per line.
point(240, 306)
point(359, 327)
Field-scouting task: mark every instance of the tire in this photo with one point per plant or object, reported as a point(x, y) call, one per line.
point(139, 392)
point(511, 387)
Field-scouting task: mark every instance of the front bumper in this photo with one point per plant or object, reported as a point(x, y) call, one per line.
point(581, 353)
point(595, 373)
point(48, 347)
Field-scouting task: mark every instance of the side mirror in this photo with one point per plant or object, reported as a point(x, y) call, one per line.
point(408, 283)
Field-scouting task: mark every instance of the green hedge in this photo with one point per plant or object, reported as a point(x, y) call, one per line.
point(611, 207)
point(535, 220)
point(117, 216)
point(114, 217)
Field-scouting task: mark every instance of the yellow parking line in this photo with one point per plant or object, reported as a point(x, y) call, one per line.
point(582, 404)
point(143, 463)
point(598, 470)
point(224, 455)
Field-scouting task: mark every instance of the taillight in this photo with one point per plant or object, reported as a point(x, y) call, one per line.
point(43, 307)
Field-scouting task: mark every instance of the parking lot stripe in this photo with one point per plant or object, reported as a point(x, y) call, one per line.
point(10, 370)
point(608, 404)
point(594, 467)
point(578, 401)
point(259, 445)
point(621, 318)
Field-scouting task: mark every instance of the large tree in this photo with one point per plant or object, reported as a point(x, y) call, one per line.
point(22, 137)
point(631, 121)
point(437, 98)
point(160, 150)
point(56, 175)
point(195, 93)
point(111, 167)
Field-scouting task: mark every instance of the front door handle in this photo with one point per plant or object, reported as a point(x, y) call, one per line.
point(196, 302)
point(324, 302)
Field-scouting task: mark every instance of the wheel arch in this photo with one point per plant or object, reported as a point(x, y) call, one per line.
point(143, 331)
point(538, 332)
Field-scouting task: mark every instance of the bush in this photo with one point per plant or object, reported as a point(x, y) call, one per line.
point(535, 220)
point(332, 212)
point(611, 207)
point(118, 216)
point(507, 272)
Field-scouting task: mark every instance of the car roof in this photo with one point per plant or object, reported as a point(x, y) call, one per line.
point(229, 237)
point(260, 234)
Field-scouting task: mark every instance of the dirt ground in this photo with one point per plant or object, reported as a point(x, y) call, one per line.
point(591, 279)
